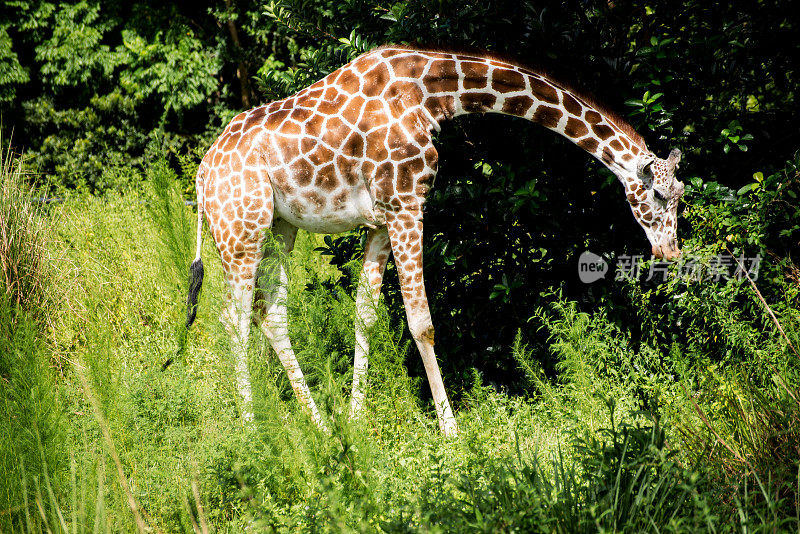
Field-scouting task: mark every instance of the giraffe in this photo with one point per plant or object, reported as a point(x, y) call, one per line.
point(355, 149)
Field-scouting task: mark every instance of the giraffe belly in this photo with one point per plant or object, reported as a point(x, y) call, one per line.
point(339, 211)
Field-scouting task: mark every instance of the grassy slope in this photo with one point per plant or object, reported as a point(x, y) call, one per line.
point(175, 425)
point(517, 464)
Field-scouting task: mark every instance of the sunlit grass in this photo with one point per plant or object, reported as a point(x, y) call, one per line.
point(140, 447)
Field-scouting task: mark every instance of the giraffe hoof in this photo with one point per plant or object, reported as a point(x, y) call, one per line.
point(449, 428)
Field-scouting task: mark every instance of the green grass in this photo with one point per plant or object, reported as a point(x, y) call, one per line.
point(97, 437)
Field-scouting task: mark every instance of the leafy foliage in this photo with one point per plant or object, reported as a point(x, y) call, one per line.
point(97, 91)
point(12, 73)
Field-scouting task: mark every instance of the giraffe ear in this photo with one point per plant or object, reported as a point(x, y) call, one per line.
point(643, 169)
point(673, 159)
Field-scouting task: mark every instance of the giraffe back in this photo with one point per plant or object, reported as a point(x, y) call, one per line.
point(338, 153)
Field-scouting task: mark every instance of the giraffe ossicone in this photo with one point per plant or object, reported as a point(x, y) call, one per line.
point(355, 149)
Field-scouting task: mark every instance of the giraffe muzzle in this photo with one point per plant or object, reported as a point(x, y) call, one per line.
point(669, 253)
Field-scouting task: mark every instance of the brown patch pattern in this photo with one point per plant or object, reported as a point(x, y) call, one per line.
point(477, 102)
point(517, 105)
point(547, 116)
point(441, 77)
point(507, 80)
point(575, 128)
point(475, 74)
point(544, 91)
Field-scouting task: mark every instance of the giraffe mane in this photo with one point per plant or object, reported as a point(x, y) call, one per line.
point(559, 80)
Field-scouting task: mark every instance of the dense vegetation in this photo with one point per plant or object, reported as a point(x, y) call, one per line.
point(624, 405)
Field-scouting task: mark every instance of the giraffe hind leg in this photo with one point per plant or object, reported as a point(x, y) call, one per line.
point(241, 278)
point(376, 254)
point(239, 209)
point(272, 314)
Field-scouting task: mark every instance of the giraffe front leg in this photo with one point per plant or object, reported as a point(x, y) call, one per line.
point(376, 253)
point(273, 282)
point(405, 234)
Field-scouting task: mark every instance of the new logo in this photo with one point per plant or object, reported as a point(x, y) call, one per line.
point(591, 267)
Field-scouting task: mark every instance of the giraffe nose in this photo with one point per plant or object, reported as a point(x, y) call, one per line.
point(674, 249)
point(670, 252)
point(657, 252)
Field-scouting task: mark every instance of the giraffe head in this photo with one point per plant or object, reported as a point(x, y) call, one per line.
point(654, 195)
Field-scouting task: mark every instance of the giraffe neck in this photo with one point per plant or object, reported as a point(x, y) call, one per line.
point(457, 85)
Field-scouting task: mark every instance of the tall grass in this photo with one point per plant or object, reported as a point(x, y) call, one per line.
point(30, 436)
point(751, 437)
point(119, 444)
point(174, 227)
point(25, 264)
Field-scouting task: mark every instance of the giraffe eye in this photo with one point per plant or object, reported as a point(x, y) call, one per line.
point(659, 196)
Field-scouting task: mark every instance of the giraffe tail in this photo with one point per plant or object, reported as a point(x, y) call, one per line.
point(196, 269)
